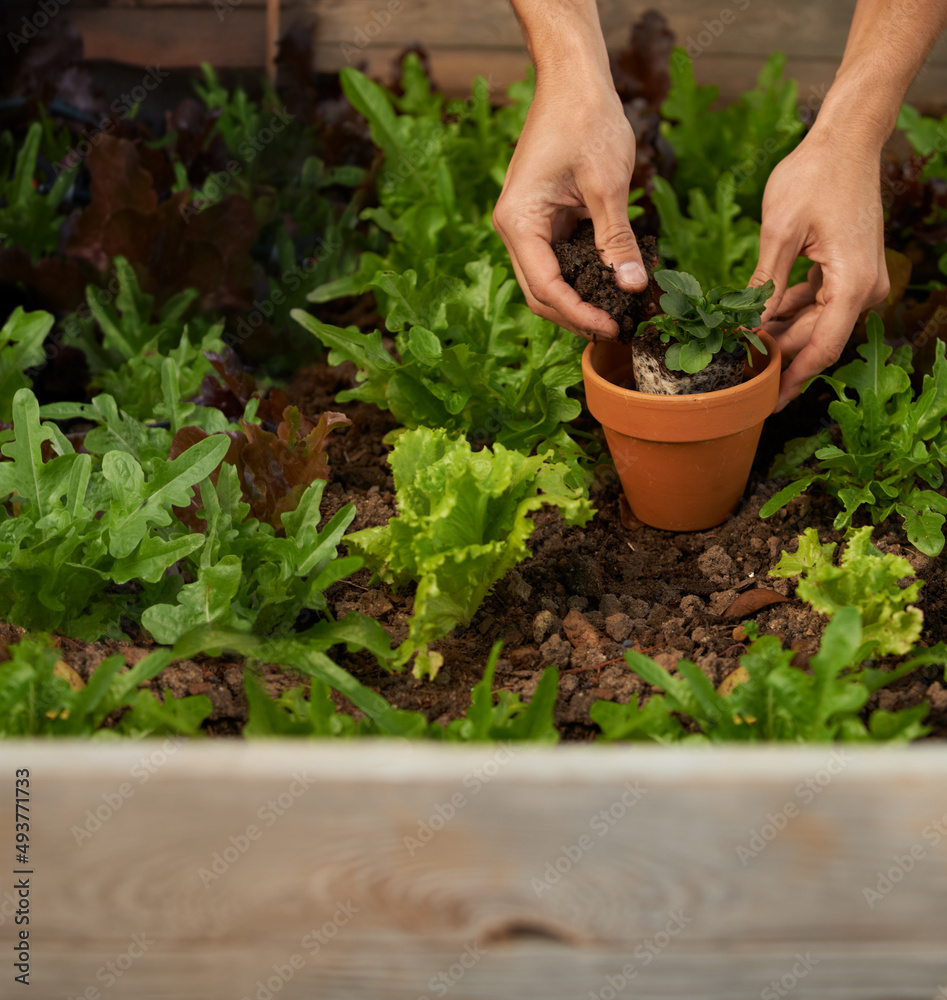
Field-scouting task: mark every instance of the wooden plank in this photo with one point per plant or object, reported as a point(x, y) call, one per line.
point(544, 871)
point(174, 37)
point(179, 38)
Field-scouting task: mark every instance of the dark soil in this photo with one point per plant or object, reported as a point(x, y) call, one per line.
point(582, 267)
point(584, 597)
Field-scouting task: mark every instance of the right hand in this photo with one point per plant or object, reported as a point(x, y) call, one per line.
point(574, 158)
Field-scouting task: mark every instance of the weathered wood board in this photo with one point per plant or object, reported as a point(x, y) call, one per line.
point(397, 872)
point(728, 40)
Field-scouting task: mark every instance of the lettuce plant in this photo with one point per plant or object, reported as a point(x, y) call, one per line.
point(41, 696)
point(893, 444)
point(21, 347)
point(864, 579)
point(774, 700)
point(463, 521)
point(503, 716)
point(471, 357)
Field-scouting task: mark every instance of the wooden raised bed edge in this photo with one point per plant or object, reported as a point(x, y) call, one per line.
point(390, 870)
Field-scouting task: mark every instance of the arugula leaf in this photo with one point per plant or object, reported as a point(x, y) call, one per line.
point(893, 444)
point(21, 347)
point(771, 699)
point(41, 696)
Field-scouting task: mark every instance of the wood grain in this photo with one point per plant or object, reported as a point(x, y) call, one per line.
point(466, 40)
point(661, 864)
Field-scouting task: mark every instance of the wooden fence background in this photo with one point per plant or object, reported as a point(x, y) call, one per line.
point(467, 38)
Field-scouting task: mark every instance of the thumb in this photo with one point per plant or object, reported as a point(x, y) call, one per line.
point(618, 247)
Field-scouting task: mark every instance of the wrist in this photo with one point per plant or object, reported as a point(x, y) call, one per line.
point(859, 112)
point(565, 43)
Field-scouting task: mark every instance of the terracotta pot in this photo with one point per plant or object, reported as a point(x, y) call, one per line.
point(683, 461)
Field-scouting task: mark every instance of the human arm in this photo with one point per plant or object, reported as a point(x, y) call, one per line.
point(575, 157)
point(823, 201)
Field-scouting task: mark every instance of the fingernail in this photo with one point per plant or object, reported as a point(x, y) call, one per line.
point(631, 273)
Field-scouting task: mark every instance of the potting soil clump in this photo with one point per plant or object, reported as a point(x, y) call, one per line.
point(583, 269)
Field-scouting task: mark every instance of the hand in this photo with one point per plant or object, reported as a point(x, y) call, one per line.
point(574, 158)
point(823, 201)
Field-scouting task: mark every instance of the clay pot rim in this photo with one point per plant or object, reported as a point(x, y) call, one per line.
point(613, 406)
point(772, 358)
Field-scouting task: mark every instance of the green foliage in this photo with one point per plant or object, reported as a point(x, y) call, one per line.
point(463, 521)
point(893, 446)
point(137, 355)
point(471, 360)
point(73, 532)
point(702, 324)
point(246, 577)
point(39, 696)
point(471, 356)
point(864, 579)
point(775, 700)
point(714, 242)
point(509, 718)
point(292, 714)
point(29, 217)
point(21, 347)
point(928, 136)
point(744, 140)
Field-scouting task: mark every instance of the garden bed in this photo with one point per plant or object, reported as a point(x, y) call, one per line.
point(585, 596)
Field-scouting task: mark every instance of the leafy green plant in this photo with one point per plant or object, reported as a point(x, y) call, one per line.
point(926, 135)
point(471, 357)
point(246, 577)
point(292, 714)
point(21, 347)
point(773, 700)
point(509, 718)
point(67, 534)
point(864, 579)
point(714, 242)
point(744, 140)
point(893, 445)
point(30, 218)
point(129, 344)
point(41, 696)
point(702, 324)
point(463, 521)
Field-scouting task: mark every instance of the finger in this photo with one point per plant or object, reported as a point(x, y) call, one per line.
point(792, 336)
point(830, 333)
point(548, 295)
point(616, 242)
point(799, 296)
point(777, 256)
